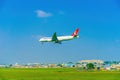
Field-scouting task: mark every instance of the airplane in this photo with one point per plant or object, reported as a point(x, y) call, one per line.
point(59, 39)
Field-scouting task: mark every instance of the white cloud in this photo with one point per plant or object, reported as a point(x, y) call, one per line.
point(43, 14)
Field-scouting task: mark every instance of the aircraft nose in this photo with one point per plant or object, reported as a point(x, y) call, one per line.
point(40, 39)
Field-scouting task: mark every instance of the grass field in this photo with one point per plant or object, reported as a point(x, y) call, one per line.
point(56, 74)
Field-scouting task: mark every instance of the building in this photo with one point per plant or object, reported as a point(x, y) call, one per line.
point(115, 66)
point(97, 63)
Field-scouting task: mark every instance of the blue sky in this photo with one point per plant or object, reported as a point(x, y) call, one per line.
point(23, 22)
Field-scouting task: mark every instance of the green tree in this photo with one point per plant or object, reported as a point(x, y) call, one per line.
point(90, 66)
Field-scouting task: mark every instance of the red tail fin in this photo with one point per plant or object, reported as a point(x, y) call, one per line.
point(76, 32)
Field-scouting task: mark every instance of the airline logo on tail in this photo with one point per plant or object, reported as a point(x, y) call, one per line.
point(59, 39)
point(76, 32)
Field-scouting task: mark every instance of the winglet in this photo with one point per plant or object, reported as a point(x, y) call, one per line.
point(75, 32)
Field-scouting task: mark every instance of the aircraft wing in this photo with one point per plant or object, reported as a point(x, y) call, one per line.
point(54, 38)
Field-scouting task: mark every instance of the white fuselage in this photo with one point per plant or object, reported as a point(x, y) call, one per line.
point(60, 38)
